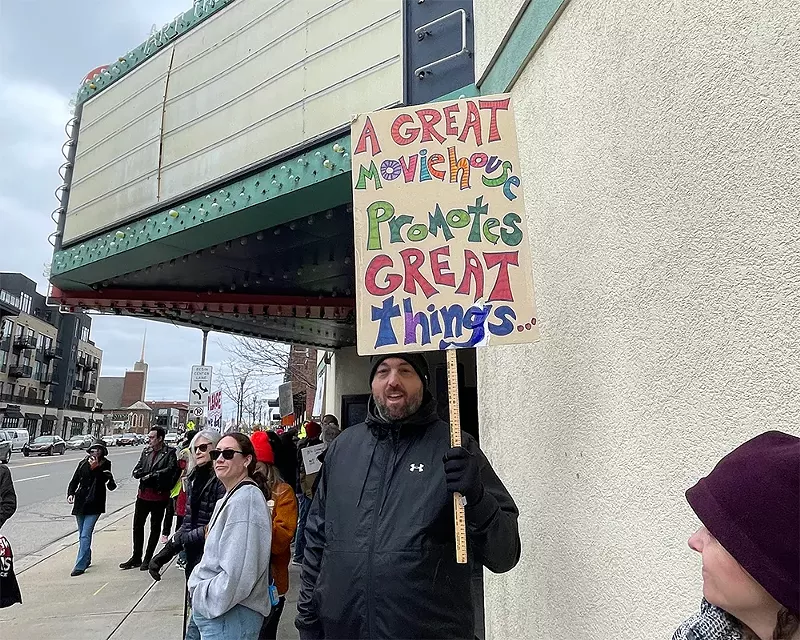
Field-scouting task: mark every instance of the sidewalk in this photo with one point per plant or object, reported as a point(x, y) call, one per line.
point(105, 603)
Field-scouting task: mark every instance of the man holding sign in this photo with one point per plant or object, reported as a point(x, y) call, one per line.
point(380, 556)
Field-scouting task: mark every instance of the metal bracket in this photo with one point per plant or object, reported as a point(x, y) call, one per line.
point(423, 32)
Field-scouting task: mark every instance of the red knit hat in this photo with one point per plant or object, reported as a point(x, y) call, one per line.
point(750, 503)
point(313, 430)
point(263, 448)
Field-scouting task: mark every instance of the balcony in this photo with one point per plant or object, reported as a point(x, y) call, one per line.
point(77, 385)
point(89, 386)
point(24, 342)
point(48, 378)
point(92, 364)
point(81, 361)
point(20, 371)
point(79, 404)
point(5, 344)
point(52, 353)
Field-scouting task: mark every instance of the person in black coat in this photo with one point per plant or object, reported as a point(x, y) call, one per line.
point(202, 493)
point(8, 497)
point(380, 555)
point(87, 495)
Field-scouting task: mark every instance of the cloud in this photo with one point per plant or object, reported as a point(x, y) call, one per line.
point(32, 123)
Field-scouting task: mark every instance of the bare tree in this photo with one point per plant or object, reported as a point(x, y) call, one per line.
point(269, 359)
point(237, 382)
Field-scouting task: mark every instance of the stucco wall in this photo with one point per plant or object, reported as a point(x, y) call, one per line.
point(493, 19)
point(659, 144)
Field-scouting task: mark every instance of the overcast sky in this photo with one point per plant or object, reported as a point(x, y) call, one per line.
point(46, 48)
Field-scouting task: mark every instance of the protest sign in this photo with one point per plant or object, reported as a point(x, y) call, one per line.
point(310, 454)
point(441, 248)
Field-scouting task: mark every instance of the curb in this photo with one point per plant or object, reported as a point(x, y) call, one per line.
point(64, 542)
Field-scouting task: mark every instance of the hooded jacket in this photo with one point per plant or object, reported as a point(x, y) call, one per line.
point(380, 559)
point(89, 486)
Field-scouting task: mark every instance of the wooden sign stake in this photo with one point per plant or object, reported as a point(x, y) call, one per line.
point(455, 441)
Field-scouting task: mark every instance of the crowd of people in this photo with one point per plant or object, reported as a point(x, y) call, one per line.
point(372, 523)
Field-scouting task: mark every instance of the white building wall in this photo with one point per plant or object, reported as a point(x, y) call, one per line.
point(659, 148)
point(348, 374)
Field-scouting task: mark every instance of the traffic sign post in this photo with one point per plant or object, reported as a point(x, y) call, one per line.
point(199, 389)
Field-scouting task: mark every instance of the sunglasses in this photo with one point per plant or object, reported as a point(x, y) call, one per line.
point(202, 448)
point(225, 453)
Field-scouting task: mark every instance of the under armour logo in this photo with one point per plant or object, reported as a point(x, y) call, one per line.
point(417, 467)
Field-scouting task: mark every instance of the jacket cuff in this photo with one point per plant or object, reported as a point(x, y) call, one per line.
point(479, 514)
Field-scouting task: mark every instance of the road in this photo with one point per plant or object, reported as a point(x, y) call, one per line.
point(43, 514)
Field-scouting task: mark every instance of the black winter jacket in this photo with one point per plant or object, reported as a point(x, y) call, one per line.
point(8, 497)
point(205, 489)
point(89, 487)
point(160, 473)
point(380, 559)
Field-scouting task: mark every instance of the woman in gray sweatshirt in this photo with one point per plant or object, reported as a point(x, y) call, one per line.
point(229, 589)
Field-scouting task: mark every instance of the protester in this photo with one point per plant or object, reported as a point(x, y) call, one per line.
point(229, 588)
point(749, 506)
point(203, 490)
point(8, 497)
point(284, 524)
point(305, 487)
point(330, 428)
point(176, 495)
point(87, 495)
point(156, 471)
point(287, 461)
point(380, 557)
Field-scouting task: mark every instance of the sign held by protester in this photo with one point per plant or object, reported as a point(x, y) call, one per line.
point(441, 248)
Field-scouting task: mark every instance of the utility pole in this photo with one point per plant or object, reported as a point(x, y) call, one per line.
point(205, 346)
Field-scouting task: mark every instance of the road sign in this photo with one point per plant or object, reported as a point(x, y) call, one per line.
point(198, 411)
point(200, 387)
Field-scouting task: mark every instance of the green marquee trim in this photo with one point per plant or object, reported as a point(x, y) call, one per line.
point(279, 193)
point(523, 39)
point(155, 43)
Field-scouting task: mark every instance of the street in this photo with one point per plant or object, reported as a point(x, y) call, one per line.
point(43, 514)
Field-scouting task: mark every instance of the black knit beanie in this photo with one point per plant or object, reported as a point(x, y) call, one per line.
point(416, 360)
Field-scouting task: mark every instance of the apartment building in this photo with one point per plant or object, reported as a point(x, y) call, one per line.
point(49, 365)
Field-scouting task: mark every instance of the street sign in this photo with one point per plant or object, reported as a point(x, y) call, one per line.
point(199, 388)
point(198, 411)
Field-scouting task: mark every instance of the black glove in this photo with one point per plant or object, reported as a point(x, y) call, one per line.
point(463, 474)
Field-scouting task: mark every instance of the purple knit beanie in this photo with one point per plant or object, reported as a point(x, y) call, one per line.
point(750, 503)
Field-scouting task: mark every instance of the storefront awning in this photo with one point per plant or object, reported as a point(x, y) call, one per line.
point(12, 411)
point(33, 416)
point(79, 419)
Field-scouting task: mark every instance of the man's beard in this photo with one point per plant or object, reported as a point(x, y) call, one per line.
point(396, 414)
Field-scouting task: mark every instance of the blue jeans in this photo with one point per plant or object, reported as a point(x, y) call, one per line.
point(240, 623)
point(300, 538)
point(192, 632)
point(85, 531)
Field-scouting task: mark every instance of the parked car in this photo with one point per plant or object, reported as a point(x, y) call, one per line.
point(5, 447)
point(142, 438)
point(171, 439)
point(45, 445)
point(19, 438)
point(79, 442)
point(111, 440)
point(127, 439)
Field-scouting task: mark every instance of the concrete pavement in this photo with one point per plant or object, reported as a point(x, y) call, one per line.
point(105, 603)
